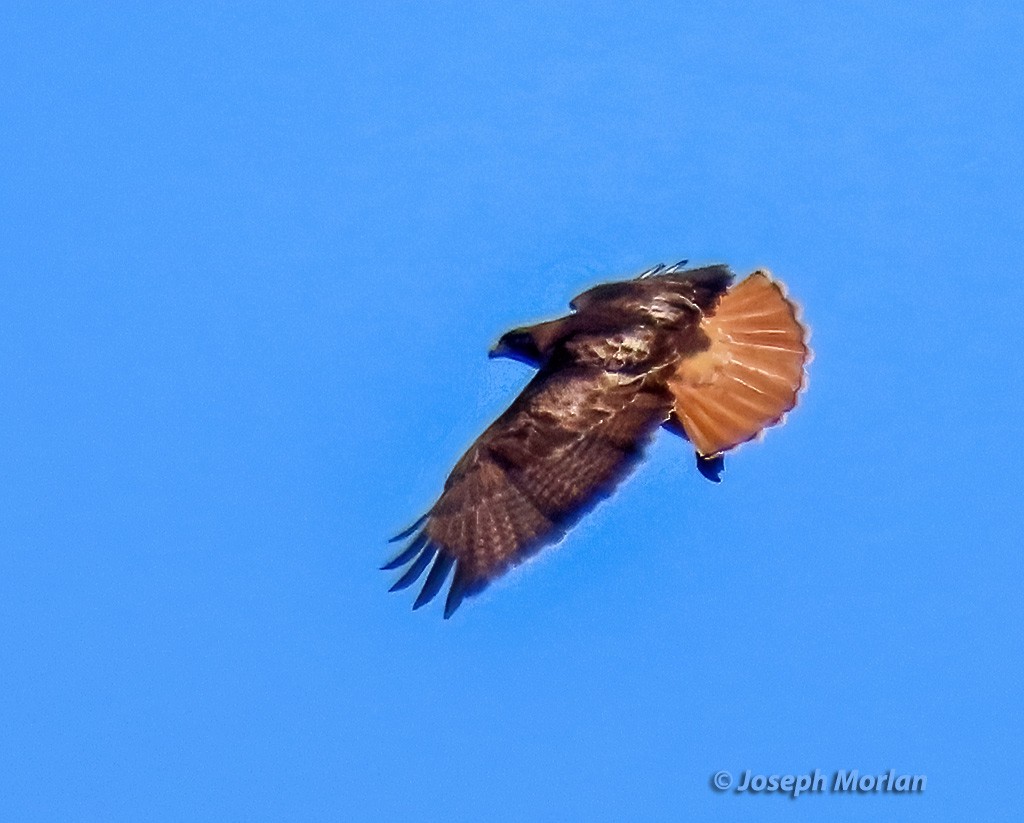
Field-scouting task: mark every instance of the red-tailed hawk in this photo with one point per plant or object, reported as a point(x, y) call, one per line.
point(674, 347)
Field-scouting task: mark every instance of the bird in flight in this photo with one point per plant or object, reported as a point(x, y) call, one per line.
point(675, 347)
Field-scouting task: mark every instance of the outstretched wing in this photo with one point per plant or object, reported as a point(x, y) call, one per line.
point(565, 442)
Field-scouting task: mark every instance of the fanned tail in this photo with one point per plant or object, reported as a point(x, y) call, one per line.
point(750, 376)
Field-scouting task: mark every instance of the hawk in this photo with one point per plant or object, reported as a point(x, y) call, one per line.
point(673, 347)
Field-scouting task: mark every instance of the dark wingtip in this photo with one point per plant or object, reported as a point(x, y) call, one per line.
point(451, 603)
point(455, 593)
point(406, 532)
point(416, 569)
point(462, 588)
point(406, 554)
point(435, 579)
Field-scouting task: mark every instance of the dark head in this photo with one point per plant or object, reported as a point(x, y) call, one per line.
point(518, 344)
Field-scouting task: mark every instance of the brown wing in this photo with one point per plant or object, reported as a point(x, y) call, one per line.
point(565, 442)
point(751, 374)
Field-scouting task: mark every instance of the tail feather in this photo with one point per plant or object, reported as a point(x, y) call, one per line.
point(752, 373)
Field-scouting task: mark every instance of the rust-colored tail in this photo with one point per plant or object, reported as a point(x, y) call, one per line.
point(752, 373)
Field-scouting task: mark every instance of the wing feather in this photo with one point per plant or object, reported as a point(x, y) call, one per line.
point(566, 442)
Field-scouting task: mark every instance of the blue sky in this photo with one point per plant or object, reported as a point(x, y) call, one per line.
point(252, 260)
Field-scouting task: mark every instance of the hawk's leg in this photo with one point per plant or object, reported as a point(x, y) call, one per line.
point(711, 467)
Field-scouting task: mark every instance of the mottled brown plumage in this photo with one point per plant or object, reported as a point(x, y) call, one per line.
point(633, 355)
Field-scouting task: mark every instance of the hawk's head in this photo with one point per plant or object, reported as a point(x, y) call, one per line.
point(518, 344)
point(533, 345)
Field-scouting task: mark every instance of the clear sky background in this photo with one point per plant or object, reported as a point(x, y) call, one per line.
point(251, 261)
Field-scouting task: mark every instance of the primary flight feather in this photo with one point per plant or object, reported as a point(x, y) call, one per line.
point(674, 347)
